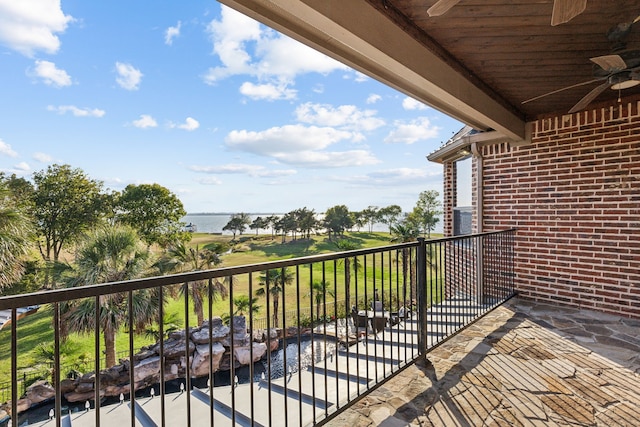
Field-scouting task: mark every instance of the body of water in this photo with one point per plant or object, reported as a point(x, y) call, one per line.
point(214, 222)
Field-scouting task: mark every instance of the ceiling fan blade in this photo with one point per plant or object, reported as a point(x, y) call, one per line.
point(560, 90)
point(589, 97)
point(610, 63)
point(566, 10)
point(441, 7)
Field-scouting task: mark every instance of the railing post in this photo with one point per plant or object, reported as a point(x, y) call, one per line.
point(480, 271)
point(422, 295)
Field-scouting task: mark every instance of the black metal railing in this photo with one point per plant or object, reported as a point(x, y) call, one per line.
point(307, 337)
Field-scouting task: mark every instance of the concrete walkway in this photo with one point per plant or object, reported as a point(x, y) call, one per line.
point(524, 364)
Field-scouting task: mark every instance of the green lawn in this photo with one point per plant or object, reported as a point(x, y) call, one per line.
point(37, 328)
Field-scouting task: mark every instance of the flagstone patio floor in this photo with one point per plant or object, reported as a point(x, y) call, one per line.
point(524, 364)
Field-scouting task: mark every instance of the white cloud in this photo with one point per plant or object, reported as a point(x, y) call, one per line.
point(209, 180)
point(30, 26)
point(229, 37)
point(328, 159)
point(390, 177)
point(189, 124)
point(347, 117)
point(23, 167)
point(50, 74)
point(289, 138)
point(42, 157)
point(243, 169)
point(360, 77)
point(172, 33)
point(413, 131)
point(373, 98)
point(267, 91)
point(145, 121)
point(78, 112)
point(129, 77)
point(300, 145)
point(413, 104)
point(246, 48)
point(6, 150)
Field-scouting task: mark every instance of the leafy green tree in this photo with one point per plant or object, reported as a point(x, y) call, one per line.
point(272, 221)
point(389, 215)
point(111, 254)
point(358, 220)
point(66, 204)
point(258, 224)
point(306, 221)
point(20, 190)
point(180, 258)
point(287, 223)
point(237, 223)
point(427, 211)
point(153, 211)
point(370, 216)
point(273, 283)
point(15, 239)
point(337, 220)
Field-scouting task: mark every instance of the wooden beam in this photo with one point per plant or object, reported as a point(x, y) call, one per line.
point(356, 34)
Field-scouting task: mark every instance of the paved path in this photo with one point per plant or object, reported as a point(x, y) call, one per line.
point(524, 364)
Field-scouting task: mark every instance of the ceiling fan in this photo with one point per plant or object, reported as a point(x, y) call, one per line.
point(619, 70)
point(563, 10)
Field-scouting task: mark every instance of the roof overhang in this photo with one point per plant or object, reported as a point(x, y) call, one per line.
point(358, 35)
point(462, 146)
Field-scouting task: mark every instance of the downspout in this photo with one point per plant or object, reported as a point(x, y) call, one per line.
point(477, 154)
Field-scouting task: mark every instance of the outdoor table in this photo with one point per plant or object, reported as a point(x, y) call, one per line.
point(377, 318)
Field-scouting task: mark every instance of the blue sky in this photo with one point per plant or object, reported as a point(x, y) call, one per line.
point(228, 114)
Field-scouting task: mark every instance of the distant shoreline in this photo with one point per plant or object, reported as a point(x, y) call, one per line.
point(232, 213)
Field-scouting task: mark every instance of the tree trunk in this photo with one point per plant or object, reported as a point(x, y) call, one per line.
point(110, 346)
point(198, 307)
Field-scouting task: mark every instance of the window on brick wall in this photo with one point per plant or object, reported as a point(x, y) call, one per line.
point(462, 210)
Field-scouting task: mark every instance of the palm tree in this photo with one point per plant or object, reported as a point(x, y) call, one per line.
point(273, 282)
point(180, 258)
point(404, 232)
point(171, 323)
point(245, 304)
point(242, 305)
point(15, 231)
point(348, 245)
point(111, 254)
point(319, 291)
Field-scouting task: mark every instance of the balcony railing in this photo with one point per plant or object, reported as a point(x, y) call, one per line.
point(322, 331)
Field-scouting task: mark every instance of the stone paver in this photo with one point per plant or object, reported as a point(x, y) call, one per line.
point(524, 364)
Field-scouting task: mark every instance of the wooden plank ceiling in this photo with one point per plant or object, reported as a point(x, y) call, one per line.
point(511, 51)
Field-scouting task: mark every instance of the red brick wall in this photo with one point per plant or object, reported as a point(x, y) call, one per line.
point(574, 196)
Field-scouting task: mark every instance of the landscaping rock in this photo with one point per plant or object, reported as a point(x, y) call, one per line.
point(40, 391)
point(115, 380)
point(243, 354)
point(200, 364)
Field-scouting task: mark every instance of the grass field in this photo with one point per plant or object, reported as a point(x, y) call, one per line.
point(250, 249)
